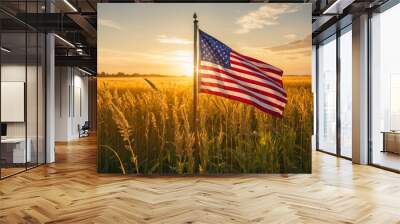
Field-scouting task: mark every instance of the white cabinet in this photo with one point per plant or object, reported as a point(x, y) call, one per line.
point(19, 155)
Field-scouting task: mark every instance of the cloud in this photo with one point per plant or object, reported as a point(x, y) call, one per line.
point(173, 40)
point(290, 36)
point(266, 15)
point(295, 45)
point(293, 57)
point(109, 23)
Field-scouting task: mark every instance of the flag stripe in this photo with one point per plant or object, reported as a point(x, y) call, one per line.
point(264, 68)
point(254, 88)
point(259, 63)
point(246, 101)
point(235, 87)
point(243, 96)
point(243, 76)
point(244, 66)
point(247, 74)
point(255, 74)
point(253, 67)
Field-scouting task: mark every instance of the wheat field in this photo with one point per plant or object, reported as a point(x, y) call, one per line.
point(145, 127)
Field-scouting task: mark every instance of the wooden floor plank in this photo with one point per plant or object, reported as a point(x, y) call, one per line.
point(71, 191)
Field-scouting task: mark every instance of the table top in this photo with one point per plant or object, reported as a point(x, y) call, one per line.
point(13, 140)
point(391, 132)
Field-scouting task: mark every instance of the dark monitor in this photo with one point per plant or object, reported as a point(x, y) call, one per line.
point(3, 129)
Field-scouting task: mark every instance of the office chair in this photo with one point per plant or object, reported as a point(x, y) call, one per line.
point(84, 130)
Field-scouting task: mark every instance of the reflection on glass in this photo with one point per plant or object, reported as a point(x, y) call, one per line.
point(385, 86)
point(22, 91)
point(41, 98)
point(31, 100)
point(327, 96)
point(346, 93)
point(14, 153)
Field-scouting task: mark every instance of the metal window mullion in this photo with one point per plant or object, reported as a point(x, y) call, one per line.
point(338, 95)
point(369, 88)
point(316, 96)
point(37, 91)
point(26, 87)
point(45, 95)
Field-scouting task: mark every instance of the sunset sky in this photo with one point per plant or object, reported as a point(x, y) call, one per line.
point(158, 38)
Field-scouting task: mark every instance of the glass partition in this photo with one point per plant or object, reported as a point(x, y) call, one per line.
point(13, 94)
point(385, 89)
point(346, 92)
point(22, 88)
point(327, 95)
point(32, 86)
point(32, 98)
point(41, 97)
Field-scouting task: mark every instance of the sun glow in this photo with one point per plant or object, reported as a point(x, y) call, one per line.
point(185, 61)
point(187, 69)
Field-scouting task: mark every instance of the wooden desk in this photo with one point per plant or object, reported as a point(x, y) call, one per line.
point(391, 141)
point(13, 150)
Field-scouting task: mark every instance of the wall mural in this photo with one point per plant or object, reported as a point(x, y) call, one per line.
point(246, 108)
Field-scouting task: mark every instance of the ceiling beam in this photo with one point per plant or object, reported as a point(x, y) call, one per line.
point(77, 61)
point(86, 26)
point(337, 7)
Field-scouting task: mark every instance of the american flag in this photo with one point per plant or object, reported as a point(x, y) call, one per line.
point(225, 72)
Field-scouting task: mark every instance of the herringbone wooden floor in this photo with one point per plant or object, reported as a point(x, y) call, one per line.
point(70, 191)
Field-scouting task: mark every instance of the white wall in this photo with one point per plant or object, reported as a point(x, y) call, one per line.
point(62, 82)
point(13, 72)
point(71, 94)
point(80, 109)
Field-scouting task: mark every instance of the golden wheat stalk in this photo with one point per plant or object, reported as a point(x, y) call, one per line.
point(125, 131)
point(121, 165)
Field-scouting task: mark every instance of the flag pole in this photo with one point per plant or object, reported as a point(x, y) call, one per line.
point(195, 86)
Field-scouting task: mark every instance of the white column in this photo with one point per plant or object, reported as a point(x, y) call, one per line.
point(50, 92)
point(360, 90)
point(50, 98)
